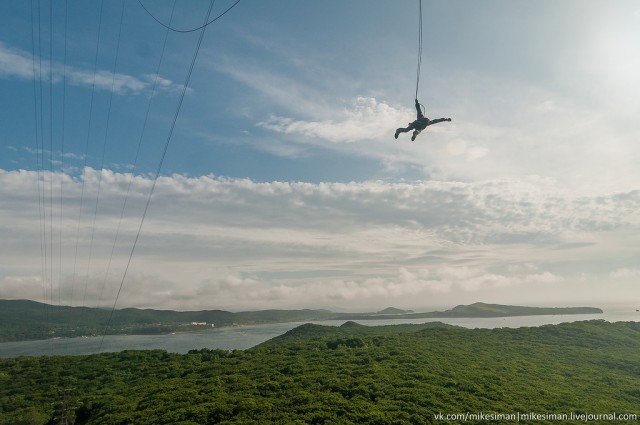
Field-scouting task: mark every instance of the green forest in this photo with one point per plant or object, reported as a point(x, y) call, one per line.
point(353, 374)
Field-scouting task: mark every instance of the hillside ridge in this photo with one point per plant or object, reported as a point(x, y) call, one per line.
point(27, 320)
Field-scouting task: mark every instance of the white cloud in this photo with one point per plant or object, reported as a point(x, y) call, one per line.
point(215, 242)
point(365, 119)
point(626, 273)
point(503, 126)
point(23, 288)
point(17, 63)
point(461, 147)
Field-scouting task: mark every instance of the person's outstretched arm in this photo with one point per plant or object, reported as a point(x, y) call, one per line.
point(437, 120)
point(418, 109)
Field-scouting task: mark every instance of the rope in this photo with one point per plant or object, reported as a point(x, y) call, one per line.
point(189, 30)
point(157, 175)
point(419, 46)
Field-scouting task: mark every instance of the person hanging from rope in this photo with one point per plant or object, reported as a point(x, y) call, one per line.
point(419, 124)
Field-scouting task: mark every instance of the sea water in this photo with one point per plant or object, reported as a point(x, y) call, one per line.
point(243, 337)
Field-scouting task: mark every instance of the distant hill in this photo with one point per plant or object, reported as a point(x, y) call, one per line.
point(393, 310)
point(498, 310)
point(477, 310)
point(24, 320)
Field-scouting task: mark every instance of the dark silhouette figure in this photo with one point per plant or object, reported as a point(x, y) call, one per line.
point(419, 124)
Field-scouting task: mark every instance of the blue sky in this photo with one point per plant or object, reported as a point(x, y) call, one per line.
point(283, 186)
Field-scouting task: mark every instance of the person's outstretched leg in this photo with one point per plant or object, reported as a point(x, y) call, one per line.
point(402, 130)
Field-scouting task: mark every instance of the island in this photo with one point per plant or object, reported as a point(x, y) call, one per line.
point(22, 320)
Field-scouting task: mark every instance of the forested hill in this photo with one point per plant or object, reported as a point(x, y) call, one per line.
point(354, 374)
point(498, 310)
point(24, 320)
point(482, 310)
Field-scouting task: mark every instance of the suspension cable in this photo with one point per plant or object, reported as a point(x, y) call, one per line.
point(104, 143)
point(38, 135)
point(192, 29)
point(86, 154)
point(62, 175)
point(137, 155)
point(51, 150)
point(419, 46)
point(157, 175)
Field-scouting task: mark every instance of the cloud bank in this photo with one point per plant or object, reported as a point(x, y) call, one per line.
point(213, 242)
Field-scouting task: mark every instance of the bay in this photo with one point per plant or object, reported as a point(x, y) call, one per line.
point(244, 337)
